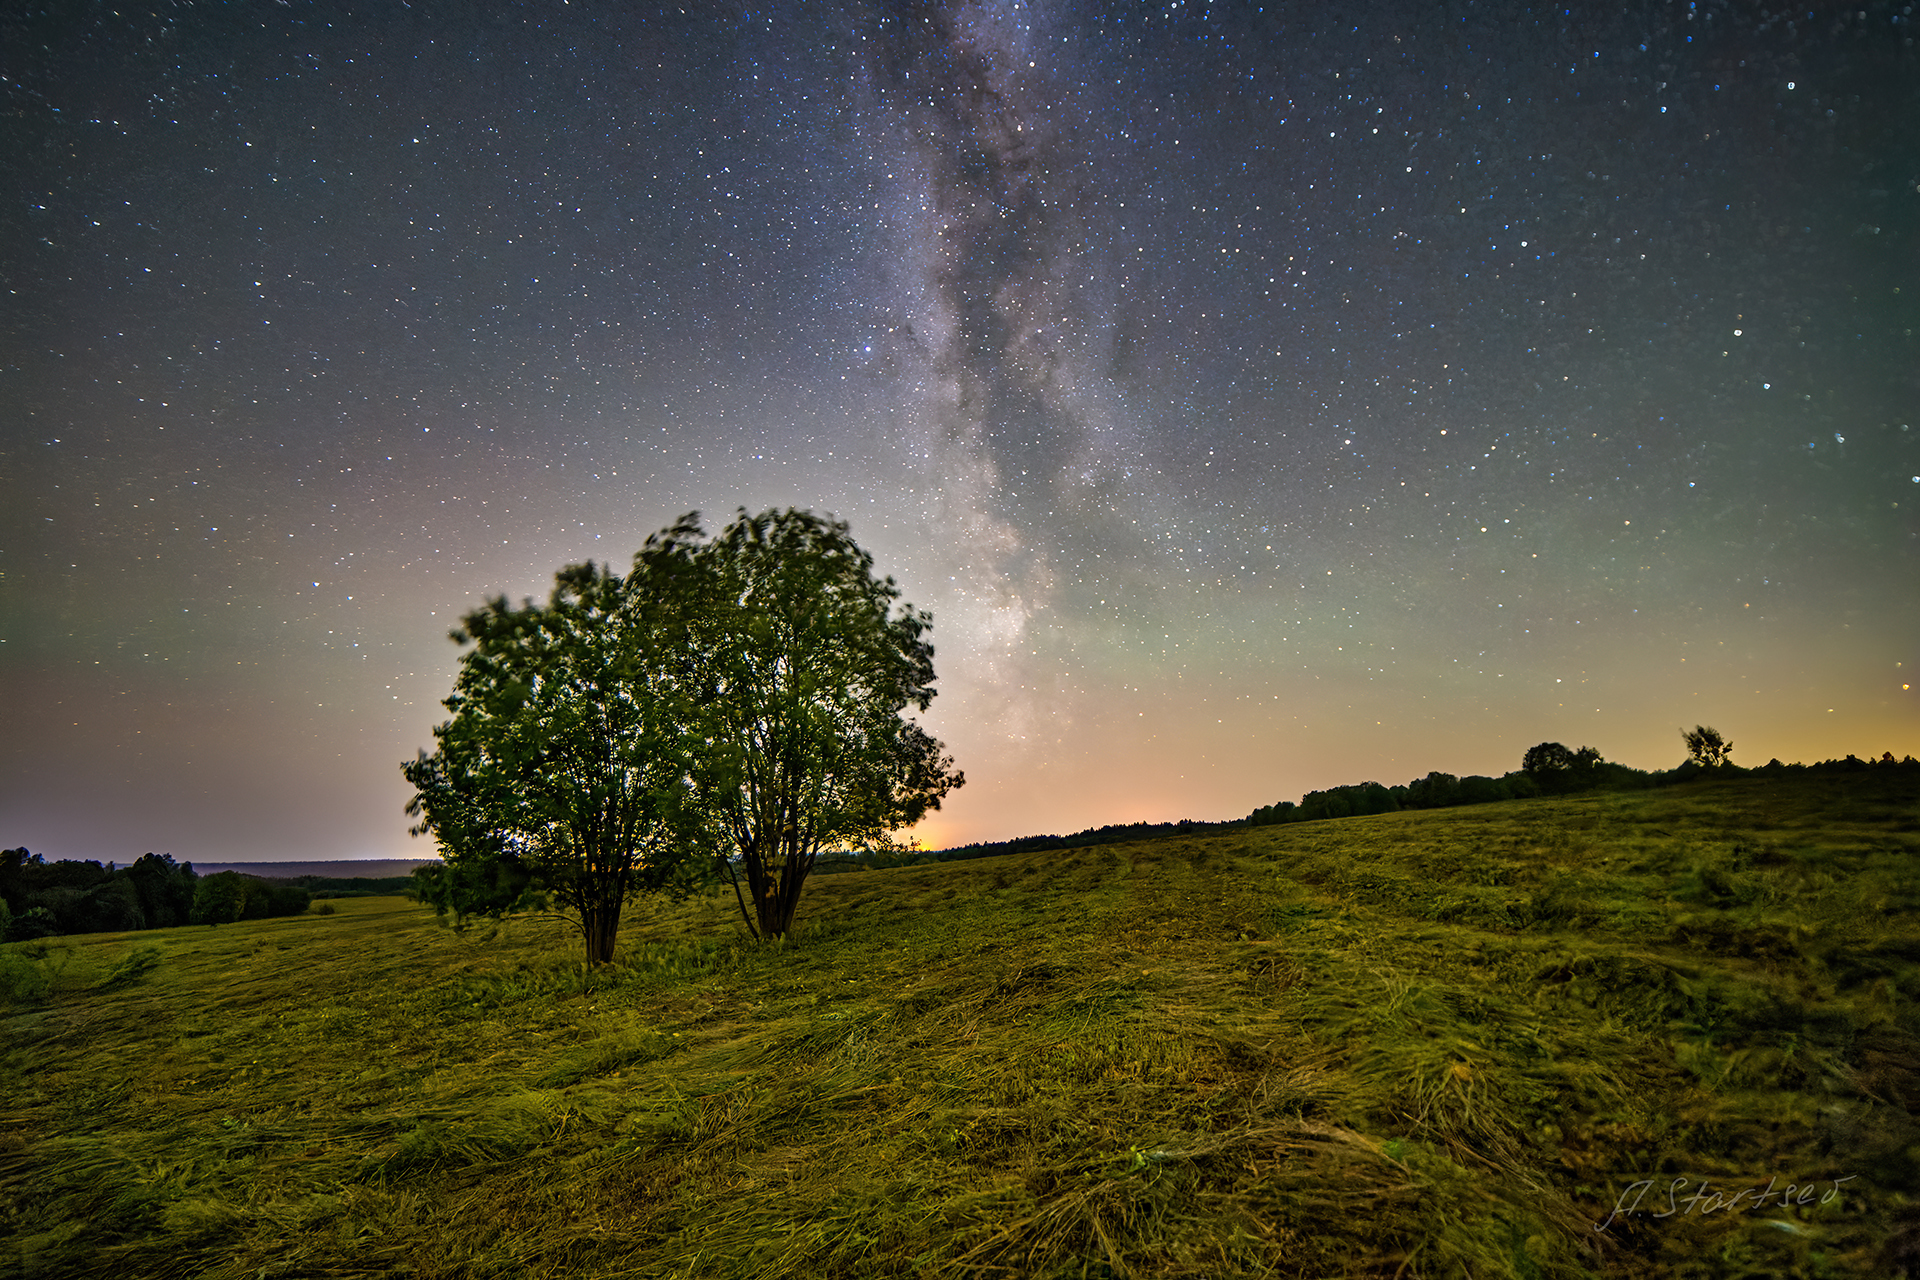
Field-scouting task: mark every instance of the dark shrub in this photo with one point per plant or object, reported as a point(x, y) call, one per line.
point(34, 922)
point(220, 899)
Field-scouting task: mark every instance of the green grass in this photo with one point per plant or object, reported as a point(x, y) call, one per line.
point(1423, 1044)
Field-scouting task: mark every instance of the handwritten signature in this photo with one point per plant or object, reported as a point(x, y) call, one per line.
point(1801, 1193)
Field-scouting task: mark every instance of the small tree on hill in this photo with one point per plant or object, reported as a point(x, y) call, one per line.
point(1706, 748)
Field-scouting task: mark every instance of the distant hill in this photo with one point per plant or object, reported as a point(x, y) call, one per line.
point(341, 869)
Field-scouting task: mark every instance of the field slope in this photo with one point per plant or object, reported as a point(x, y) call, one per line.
point(1425, 1044)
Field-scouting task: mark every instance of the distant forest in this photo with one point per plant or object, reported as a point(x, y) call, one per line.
point(40, 899)
point(1549, 769)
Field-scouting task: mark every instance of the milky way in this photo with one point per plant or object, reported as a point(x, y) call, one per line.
point(1260, 401)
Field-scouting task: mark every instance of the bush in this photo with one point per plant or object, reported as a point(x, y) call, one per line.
point(33, 923)
point(219, 899)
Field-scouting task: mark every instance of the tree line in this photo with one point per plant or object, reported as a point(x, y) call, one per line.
point(732, 708)
point(1549, 769)
point(40, 899)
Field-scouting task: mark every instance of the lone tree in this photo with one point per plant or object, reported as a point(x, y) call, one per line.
point(803, 670)
point(1706, 748)
point(564, 769)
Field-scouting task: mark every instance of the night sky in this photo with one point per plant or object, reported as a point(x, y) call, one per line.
point(1261, 401)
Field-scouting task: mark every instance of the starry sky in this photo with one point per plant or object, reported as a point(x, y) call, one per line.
point(1262, 399)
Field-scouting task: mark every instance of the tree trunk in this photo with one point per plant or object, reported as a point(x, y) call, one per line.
point(600, 924)
point(781, 900)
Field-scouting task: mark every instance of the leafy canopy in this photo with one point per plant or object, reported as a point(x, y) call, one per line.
point(805, 669)
point(564, 769)
point(732, 703)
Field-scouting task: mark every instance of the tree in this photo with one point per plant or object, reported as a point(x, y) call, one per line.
point(220, 898)
point(112, 907)
point(1435, 791)
point(1706, 748)
point(17, 867)
point(1556, 769)
point(564, 766)
point(803, 668)
point(165, 889)
point(1547, 758)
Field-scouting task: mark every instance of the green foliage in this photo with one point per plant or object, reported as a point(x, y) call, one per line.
point(732, 703)
point(16, 865)
point(229, 896)
point(1272, 814)
point(564, 767)
point(34, 922)
point(477, 887)
point(1435, 791)
point(281, 898)
point(355, 886)
point(803, 669)
point(1548, 757)
point(1112, 833)
point(30, 971)
point(1549, 769)
point(219, 899)
point(112, 907)
point(42, 899)
point(165, 889)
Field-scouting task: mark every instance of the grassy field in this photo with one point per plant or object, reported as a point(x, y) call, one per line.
point(1446, 1043)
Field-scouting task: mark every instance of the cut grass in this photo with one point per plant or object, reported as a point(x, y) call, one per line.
point(1433, 1044)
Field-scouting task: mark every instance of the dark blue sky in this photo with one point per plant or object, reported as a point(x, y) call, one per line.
point(1260, 401)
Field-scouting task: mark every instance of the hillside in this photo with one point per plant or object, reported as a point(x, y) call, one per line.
point(1419, 1044)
